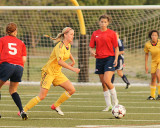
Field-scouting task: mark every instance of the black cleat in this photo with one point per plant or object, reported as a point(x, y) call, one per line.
point(150, 98)
point(158, 97)
point(24, 115)
point(127, 86)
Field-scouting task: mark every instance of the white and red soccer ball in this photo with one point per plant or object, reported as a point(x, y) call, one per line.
point(118, 111)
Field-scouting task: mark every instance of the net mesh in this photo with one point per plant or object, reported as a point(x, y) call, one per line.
point(133, 26)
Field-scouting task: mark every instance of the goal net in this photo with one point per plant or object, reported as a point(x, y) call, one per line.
point(133, 24)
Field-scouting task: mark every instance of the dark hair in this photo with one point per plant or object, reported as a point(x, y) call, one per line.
point(10, 28)
point(150, 33)
point(105, 17)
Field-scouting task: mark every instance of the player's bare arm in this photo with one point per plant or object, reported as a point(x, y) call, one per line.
point(65, 65)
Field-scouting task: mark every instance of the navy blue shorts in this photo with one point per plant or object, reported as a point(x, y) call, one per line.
point(120, 63)
point(10, 71)
point(105, 64)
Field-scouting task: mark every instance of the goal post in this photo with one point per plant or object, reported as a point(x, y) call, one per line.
point(132, 22)
point(83, 49)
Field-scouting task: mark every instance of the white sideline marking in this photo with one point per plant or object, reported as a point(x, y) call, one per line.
point(80, 106)
point(15, 118)
point(86, 83)
point(6, 111)
point(30, 127)
point(114, 126)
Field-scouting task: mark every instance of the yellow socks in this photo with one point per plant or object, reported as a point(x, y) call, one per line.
point(153, 91)
point(31, 103)
point(158, 85)
point(62, 98)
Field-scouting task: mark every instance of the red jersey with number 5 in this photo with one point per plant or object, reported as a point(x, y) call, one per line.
point(12, 50)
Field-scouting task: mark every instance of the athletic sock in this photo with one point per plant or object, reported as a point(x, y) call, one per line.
point(153, 91)
point(107, 98)
point(112, 80)
point(62, 98)
point(32, 103)
point(17, 100)
point(124, 78)
point(114, 96)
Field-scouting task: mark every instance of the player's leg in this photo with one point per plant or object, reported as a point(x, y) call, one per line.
point(107, 78)
point(106, 94)
point(158, 83)
point(154, 68)
point(69, 90)
point(46, 81)
point(34, 101)
point(124, 78)
point(152, 87)
point(1, 83)
point(5, 72)
point(16, 98)
point(113, 77)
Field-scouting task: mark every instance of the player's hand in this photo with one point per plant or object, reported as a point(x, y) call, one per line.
point(115, 63)
point(93, 52)
point(77, 70)
point(146, 69)
point(72, 64)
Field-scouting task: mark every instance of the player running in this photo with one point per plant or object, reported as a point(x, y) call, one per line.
point(12, 59)
point(51, 72)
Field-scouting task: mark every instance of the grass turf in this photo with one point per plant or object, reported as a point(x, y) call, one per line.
point(83, 108)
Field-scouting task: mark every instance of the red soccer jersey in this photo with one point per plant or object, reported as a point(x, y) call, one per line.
point(105, 42)
point(11, 50)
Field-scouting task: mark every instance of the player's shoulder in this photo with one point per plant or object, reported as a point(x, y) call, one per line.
point(4, 37)
point(148, 43)
point(96, 31)
point(59, 45)
point(111, 31)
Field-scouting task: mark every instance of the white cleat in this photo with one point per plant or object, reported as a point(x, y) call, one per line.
point(107, 109)
point(57, 109)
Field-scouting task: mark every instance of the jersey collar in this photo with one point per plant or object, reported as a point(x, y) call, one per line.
point(154, 44)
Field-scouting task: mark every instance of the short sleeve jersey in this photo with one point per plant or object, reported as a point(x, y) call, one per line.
point(154, 50)
point(59, 52)
point(12, 50)
point(105, 42)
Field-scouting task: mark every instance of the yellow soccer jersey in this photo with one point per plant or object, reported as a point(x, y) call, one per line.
point(59, 51)
point(154, 50)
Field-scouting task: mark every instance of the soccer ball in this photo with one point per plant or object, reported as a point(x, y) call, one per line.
point(118, 111)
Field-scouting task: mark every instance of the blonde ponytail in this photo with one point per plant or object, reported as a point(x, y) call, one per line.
point(60, 36)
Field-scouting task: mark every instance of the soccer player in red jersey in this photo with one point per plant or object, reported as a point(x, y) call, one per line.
point(12, 59)
point(106, 54)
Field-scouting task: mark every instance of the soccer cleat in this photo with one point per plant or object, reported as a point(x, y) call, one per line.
point(23, 115)
point(57, 109)
point(107, 109)
point(158, 97)
point(19, 114)
point(128, 85)
point(150, 98)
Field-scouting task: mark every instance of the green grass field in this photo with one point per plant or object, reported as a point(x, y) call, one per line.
point(84, 108)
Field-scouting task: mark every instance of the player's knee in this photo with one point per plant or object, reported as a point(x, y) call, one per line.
point(71, 92)
point(42, 97)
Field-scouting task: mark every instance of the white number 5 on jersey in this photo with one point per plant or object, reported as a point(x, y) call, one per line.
point(11, 47)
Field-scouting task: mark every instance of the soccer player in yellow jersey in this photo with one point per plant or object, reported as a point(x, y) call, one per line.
point(51, 72)
point(153, 46)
